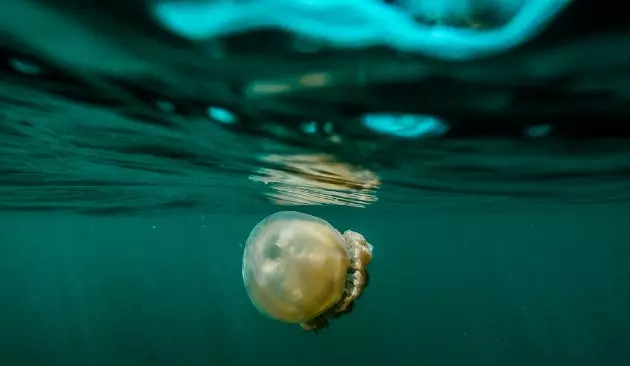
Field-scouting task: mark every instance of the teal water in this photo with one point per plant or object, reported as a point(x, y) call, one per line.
point(485, 155)
point(511, 285)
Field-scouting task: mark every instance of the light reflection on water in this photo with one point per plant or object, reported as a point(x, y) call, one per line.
point(316, 180)
point(133, 120)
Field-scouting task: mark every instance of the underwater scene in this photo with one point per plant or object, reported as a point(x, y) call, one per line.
point(338, 182)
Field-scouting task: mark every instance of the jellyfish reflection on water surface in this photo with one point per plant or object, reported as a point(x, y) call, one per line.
point(297, 268)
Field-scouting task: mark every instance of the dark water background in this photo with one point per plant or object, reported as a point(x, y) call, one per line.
point(511, 285)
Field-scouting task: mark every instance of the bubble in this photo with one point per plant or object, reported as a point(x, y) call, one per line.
point(405, 125)
point(222, 115)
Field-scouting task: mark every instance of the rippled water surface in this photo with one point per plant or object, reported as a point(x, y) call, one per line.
point(105, 115)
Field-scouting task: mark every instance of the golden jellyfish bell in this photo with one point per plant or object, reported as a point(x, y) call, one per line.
point(297, 268)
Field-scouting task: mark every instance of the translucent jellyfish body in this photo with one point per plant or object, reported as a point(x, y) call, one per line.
point(297, 268)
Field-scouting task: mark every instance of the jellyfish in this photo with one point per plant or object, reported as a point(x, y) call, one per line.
point(299, 269)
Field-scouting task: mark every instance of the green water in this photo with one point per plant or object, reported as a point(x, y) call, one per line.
point(502, 286)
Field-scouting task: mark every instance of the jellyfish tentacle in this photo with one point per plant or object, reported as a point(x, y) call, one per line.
point(360, 254)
